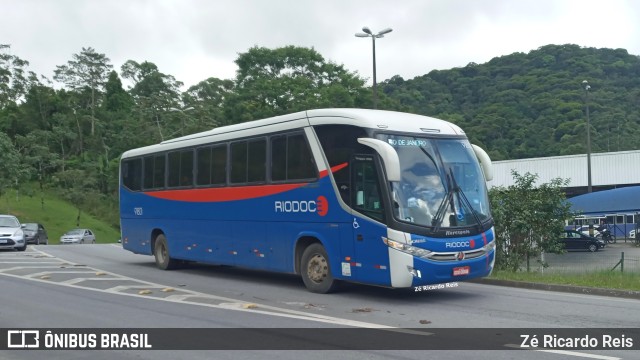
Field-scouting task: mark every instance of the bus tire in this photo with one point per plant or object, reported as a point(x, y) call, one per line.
point(161, 254)
point(315, 270)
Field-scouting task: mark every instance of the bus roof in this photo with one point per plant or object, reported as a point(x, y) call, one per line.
point(374, 119)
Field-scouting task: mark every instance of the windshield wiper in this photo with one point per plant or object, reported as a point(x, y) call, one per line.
point(463, 199)
point(447, 201)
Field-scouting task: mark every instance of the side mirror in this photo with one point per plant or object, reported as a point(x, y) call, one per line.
point(485, 162)
point(388, 154)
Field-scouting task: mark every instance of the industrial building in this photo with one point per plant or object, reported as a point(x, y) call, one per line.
point(608, 170)
point(615, 179)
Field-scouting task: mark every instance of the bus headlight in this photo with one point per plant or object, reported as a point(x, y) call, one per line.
point(411, 250)
point(490, 246)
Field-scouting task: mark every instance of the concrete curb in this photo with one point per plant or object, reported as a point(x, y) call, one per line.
point(629, 294)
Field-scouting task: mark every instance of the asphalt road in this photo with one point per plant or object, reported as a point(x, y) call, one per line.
point(103, 286)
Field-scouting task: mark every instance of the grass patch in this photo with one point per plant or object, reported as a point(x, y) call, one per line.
point(601, 279)
point(57, 216)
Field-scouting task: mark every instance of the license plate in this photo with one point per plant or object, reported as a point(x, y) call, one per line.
point(3, 241)
point(459, 271)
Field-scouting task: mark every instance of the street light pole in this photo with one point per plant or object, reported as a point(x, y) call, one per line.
point(368, 33)
point(586, 102)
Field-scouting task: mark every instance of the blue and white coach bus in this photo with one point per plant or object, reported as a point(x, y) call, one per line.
point(367, 196)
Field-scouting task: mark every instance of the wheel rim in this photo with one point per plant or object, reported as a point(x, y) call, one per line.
point(593, 248)
point(161, 253)
point(318, 269)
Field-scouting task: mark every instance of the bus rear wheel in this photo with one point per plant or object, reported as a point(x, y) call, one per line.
point(161, 253)
point(315, 270)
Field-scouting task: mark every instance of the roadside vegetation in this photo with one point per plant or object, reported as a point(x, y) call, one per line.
point(601, 279)
point(529, 219)
point(57, 216)
point(66, 130)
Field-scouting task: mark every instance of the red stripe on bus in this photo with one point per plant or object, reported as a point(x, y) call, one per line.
point(334, 169)
point(232, 193)
point(224, 194)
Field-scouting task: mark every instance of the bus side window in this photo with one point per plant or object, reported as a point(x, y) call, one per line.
point(186, 168)
point(180, 168)
point(339, 143)
point(132, 174)
point(154, 172)
point(219, 165)
point(238, 162)
point(366, 188)
point(291, 159)
point(203, 166)
point(257, 161)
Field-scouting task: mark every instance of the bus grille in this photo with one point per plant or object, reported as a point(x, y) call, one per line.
point(453, 256)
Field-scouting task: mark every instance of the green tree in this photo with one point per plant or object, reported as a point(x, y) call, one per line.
point(87, 72)
point(13, 86)
point(36, 153)
point(154, 93)
point(11, 167)
point(40, 104)
point(76, 186)
point(528, 219)
point(273, 82)
point(13, 83)
point(207, 100)
point(116, 99)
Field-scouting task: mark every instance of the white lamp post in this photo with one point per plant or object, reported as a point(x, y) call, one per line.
point(368, 33)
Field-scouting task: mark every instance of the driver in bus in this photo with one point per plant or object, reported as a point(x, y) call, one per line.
point(423, 191)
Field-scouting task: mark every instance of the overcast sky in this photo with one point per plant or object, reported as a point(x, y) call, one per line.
point(197, 39)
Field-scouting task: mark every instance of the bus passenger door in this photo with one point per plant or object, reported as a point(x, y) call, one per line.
point(371, 260)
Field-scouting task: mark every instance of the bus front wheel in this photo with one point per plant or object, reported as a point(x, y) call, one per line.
point(315, 270)
point(161, 253)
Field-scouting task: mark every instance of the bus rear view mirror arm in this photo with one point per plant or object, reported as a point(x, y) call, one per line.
point(388, 154)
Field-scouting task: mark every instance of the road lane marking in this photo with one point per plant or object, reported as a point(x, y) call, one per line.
point(565, 352)
point(185, 296)
point(28, 262)
point(79, 280)
point(38, 274)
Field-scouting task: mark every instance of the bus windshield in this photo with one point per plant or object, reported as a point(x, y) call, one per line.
point(441, 183)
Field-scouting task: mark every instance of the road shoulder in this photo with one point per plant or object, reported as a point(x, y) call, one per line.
point(629, 294)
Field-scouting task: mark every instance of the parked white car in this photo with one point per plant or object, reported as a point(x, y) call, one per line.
point(11, 233)
point(78, 236)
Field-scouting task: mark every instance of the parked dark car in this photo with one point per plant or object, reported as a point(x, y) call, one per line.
point(575, 240)
point(35, 233)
